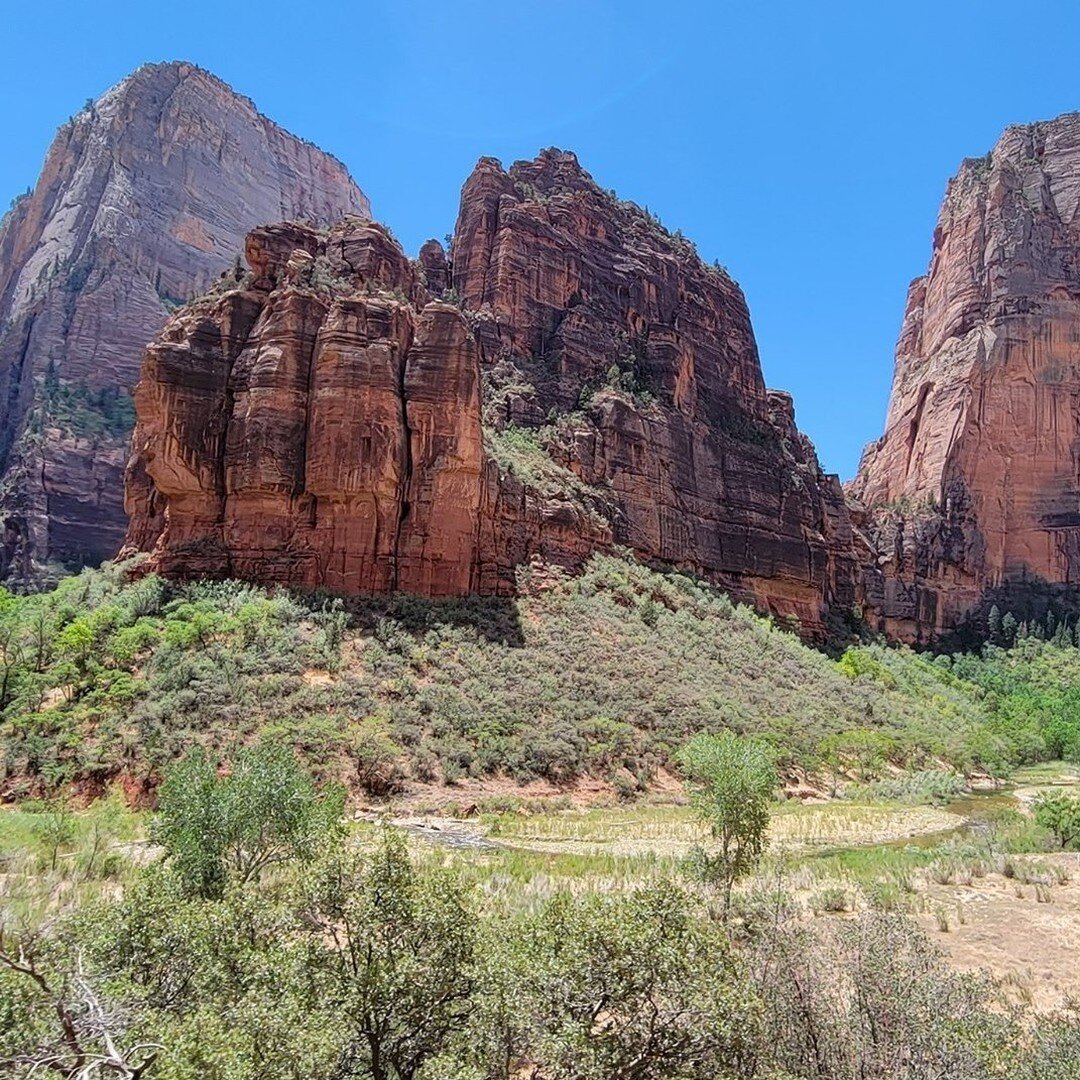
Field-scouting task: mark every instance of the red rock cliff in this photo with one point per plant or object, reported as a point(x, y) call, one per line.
point(973, 492)
point(320, 424)
point(594, 320)
point(332, 422)
point(144, 198)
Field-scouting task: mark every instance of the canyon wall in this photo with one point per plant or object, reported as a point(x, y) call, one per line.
point(144, 199)
point(644, 357)
point(320, 424)
point(570, 377)
point(972, 495)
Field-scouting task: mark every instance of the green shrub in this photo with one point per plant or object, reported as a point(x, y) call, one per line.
point(364, 962)
point(266, 811)
point(833, 899)
point(732, 780)
point(377, 757)
point(1060, 814)
point(931, 786)
point(608, 671)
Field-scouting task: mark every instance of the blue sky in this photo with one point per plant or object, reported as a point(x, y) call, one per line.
point(804, 145)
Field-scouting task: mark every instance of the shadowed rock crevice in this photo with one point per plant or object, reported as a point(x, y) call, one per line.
point(406, 470)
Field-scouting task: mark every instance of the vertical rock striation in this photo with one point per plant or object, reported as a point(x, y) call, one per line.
point(320, 424)
point(571, 377)
point(595, 321)
point(972, 494)
point(144, 199)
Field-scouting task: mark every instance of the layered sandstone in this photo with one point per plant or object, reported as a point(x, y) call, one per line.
point(593, 316)
point(145, 197)
point(319, 423)
point(973, 492)
point(570, 378)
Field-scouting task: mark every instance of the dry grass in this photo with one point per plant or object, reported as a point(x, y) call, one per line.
point(674, 830)
point(1016, 915)
point(841, 824)
point(1024, 927)
point(1026, 934)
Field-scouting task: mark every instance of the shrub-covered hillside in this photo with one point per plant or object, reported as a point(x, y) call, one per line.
point(606, 674)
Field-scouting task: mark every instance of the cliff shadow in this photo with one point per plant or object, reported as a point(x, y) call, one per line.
point(493, 618)
point(1031, 601)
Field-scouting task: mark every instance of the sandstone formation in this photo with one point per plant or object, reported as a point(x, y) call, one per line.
point(588, 311)
point(972, 495)
point(571, 377)
point(319, 424)
point(145, 197)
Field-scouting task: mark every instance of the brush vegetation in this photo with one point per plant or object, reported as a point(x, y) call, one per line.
point(606, 674)
point(354, 957)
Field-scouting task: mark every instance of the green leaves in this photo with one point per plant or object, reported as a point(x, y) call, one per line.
point(732, 780)
point(191, 824)
point(863, 749)
point(365, 963)
point(599, 986)
point(1060, 813)
point(396, 951)
point(266, 811)
point(603, 674)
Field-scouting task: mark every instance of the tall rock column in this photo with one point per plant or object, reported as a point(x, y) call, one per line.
point(144, 200)
point(317, 423)
point(585, 382)
point(972, 495)
point(636, 364)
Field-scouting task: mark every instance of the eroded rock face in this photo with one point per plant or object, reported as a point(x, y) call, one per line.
point(144, 199)
point(637, 362)
point(587, 381)
point(320, 425)
point(973, 492)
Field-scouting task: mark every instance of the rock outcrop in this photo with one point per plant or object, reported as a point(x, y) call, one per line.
point(595, 321)
point(144, 199)
point(583, 380)
point(320, 424)
point(972, 495)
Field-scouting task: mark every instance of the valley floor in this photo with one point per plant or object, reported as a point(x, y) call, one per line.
point(1015, 914)
point(965, 870)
